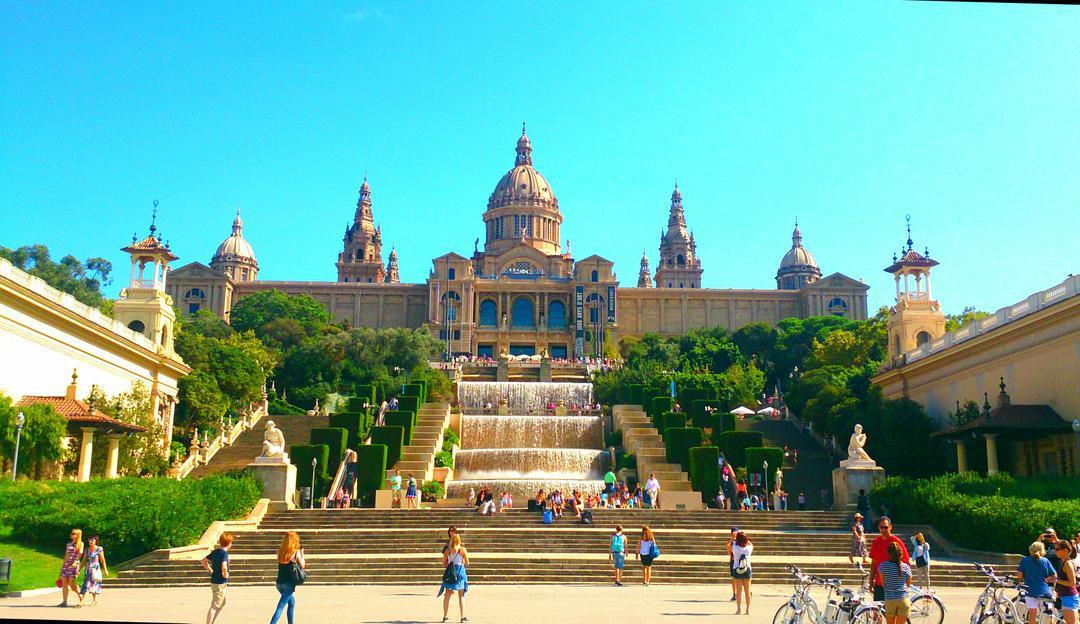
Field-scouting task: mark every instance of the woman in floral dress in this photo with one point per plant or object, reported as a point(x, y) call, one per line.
point(69, 570)
point(95, 570)
point(858, 540)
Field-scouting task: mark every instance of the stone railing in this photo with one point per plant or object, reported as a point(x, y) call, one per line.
point(203, 449)
point(1056, 294)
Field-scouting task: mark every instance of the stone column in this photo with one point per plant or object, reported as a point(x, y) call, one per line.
point(961, 456)
point(114, 455)
point(991, 453)
point(85, 453)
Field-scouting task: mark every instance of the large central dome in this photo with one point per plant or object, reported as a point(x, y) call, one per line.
point(523, 209)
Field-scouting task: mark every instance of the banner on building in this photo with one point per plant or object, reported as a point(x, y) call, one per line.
point(611, 304)
point(579, 321)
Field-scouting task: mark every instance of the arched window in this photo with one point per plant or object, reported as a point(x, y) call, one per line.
point(521, 312)
point(595, 276)
point(451, 273)
point(837, 307)
point(680, 260)
point(195, 293)
point(164, 336)
point(921, 338)
point(360, 254)
point(488, 315)
point(452, 301)
point(137, 326)
point(556, 315)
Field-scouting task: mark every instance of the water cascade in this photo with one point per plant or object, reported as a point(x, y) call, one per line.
point(488, 432)
point(523, 395)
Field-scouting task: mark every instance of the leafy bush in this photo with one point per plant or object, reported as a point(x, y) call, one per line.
point(353, 422)
point(371, 472)
point(364, 393)
point(450, 439)
point(444, 459)
point(733, 445)
point(335, 439)
point(413, 390)
point(671, 420)
point(678, 443)
point(431, 491)
point(301, 456)
point(132, 515)
point(627, 461)
point(405, 420)
point(409, 404)
point(278, 407)
point(998, 512)
point(698, 413)
point(705, 472)
point(657, 406)
point(393, 438)
point(613, 439)
point(635, 394)
point(755, 455)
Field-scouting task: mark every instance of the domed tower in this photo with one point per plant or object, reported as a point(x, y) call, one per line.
point(916, 319)
point(234, 256)
point(392, 268)
point(798, 267)
point(679, 265)
point(643, 279)
point(523, 209)
point(361, 259)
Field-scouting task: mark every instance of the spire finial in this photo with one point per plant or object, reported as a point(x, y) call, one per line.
point(1002, 385)
point(524, 149)
point(153, 219)
point(909, 242)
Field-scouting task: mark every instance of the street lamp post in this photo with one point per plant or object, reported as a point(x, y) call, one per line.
point(314, 462)
point(20, 420)
point(765, 470)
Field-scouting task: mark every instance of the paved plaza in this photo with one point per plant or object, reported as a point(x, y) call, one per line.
point(569, 604)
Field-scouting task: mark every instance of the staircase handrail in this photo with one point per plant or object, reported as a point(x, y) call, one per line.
point(339, 476)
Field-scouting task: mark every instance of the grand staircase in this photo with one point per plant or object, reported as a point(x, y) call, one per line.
point(813, 472)
point(366, 546)
point(297, 430)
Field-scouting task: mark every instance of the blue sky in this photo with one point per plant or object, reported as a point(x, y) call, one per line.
point(848, 115)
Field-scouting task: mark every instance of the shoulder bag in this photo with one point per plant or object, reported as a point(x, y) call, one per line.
point(299, 575)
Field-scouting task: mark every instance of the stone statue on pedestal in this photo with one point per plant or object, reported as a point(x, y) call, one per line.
point(779, 479)
point(273, 441)
point(858, 472)
point(856, 454)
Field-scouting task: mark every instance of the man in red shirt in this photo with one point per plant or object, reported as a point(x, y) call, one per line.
point(879, 553)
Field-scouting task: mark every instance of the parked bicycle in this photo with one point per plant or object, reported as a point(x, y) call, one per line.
point(842, 606)
point(993, 606)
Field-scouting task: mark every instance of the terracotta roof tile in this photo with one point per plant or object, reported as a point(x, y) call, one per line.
point(76, 411)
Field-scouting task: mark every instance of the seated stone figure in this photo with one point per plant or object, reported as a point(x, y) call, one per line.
point(273, 441)
point(856, 454)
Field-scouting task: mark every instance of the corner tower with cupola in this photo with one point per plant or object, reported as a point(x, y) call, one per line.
point(361, 258)
point(916, 319)
point(679, 266)
point(144, 306)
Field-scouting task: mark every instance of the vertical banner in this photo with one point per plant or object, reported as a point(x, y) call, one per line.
point(611, 304)
point(579, 321)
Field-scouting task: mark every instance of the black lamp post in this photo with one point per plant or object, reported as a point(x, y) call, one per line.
point(20, 420)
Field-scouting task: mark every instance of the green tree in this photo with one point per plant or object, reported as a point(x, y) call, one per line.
point(81, 279)
point(140, 453)
point(201, 402)
point(42, 439)
point(756, 340)
point(256, 310)
point(954, 322)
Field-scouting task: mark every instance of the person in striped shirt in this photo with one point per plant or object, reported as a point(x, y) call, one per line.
point(896, 577)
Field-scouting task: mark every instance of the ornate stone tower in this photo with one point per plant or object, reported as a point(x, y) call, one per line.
point(916, 318)
point(679, 266)
point(523, 209)
point(798, 267)
point(144, 306)
point(643, 278)
point(392, 268)
point(361, 260)
point(234, 256)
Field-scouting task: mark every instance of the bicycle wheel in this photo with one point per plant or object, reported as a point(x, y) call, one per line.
point(926, 609)
point(868, 615)
point(996, 617)
point(787, 614)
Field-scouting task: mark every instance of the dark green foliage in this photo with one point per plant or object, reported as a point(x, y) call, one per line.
point(626, 461)
point(371, 472)
point(444, 459)
point(364, 393)
point(698, 415)
point(132, 515)
point(353, 422)
point(733, 445)
point(635, 395)
point(414, 390)
point(393, 438)
point(278, 407)
point(613, 439)
point(669, 420)
point(450, 439)
point(705, 472)
point(405, 420)
point(659, 405)
point(82, 280)
point(999, 513)
point(335, 439)
point(678, 442)
point(431, 491)
point(301, 456)
point(755, 455)
point(409, 404)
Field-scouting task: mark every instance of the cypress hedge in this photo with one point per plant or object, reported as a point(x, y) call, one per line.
point(405, 420)
point(659, 405)
point(678, 442)
point(705, 472)
point(672, 420)
point(755, 455)
point(371, 472)
point(335, 439)
point(734, 444)
point(698, 413)
point(636, 394)
point(133, 515)
point(722, 422)
point(409, 404)
point(301, 455)
point(353, 422)
point(393, 438)
point(366, 392)
point(413, 390)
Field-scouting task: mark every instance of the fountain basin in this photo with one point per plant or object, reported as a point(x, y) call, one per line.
point(493, 432)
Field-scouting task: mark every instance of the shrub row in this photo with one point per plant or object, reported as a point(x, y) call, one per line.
point(356, 423)
point(733, 445)
point(301, 456)
point(335, 439)
point(405, 420)
point(132, 515)
point(678, 442)
point(370, 472)
point(393, 438)
point(756, 455)
point(705, 472)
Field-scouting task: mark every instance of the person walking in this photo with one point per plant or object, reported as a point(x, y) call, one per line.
point(609, 482)
point(858, 540)
point(896, 576)
point(731, 559)
point(647, 551)
point(742, 571)
point(617, 555)
point(920, 550)
point(1066, 581)
point(1037, 572)
point(879, 553)
point(652, 490)
point(217, 564)
point(69, 569)
point(455, 578)
point(802, 501)
point(290, 573)
point(410, 493)
point(395, 489)
point(94, 570)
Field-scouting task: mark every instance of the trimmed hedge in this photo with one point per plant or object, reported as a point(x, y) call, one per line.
point(696, 410)
point(335, 439)
point(353, 422)
point(757, 454)
point(393, 438)
point(405, 420)
point(657, 406)
point(636, 394)
point(371, 472)
point(721, 423)
point(132, 515)
point(705, 472)
point(409, 404)
point(301, 455)
point(678, 442)
point(414, 390)
point(671, 420)
point(733, 445)
point(998, 512)
point(365, 392)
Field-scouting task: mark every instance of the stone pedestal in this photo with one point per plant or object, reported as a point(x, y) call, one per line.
point(502, 373)
point(278, 478)
point(545, 369)
point(851, 477)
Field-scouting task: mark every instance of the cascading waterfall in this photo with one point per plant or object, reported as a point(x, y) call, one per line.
point(523, 395)
point(522, 454)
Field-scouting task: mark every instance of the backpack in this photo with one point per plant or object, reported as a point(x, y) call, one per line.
point(586, 516)
point(548, 517)
point(743, 566)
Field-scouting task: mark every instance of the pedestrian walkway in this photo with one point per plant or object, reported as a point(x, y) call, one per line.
point(297, 430)
point(811, 475)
